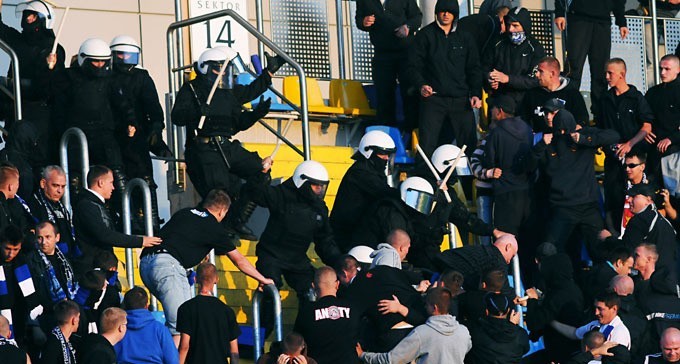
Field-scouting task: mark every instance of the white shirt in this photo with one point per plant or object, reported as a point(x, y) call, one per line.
point(100, 197)
point(619, 334)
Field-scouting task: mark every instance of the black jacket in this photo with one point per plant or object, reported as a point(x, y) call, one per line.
point(562, 302)
point(496, 341)
point(569, 164)
point(508, 147)
point(360, 189)
point(534, 99)
point(661, 234)
point(20, 150)
point(383, 217)
point(637, 325)
point(295, 221)
point(593, 11)
point(13, 213)
point(516, 61)
point(449, 63)
point(58, 215)
point(484, 28)
point(658, 297)
point(664, 100)
point(472, 261)
point(624, 113)
point(224, 113)
point(388, 17)
point(95, 349)
point(96, 230)
point(621, 356)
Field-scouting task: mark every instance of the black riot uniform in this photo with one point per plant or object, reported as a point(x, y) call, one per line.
point(140, 91)
point(362, 186)
point(32, 46)
point(213, 159)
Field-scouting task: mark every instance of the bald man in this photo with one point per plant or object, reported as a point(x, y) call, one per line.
point(631, 315)
point(329, 324)
point(473, 260)
point(9, 352)
point(670, 348)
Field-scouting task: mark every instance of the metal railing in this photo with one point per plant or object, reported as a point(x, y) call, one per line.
point(16, 80)
point(517, 280)
point(278, 326)
point(127, 221)
point(63, 156)
point(174, 80)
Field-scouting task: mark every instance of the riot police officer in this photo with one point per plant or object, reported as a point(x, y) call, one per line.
point(363, 185)
point(86, 97)
point(213, 159)
point(136, 84)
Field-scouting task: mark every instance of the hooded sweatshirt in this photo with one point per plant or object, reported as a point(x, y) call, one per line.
point(440, 340)
point(570, 164)
point(146, 341)
point(386, 255)
point(497, 340)
point(508, 147)
point(485, 26)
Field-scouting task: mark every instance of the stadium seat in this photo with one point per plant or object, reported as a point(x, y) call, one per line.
point(316, 104)
point(247, 78)
point(350, 96)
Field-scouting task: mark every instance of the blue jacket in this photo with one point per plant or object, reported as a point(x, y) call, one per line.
point(146, 341)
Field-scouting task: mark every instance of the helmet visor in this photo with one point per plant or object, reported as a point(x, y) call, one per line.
point(420, 201)
point(226, 80)
point(462, 167)
point(128, 58)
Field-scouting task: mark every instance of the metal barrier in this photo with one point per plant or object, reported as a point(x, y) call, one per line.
point(174, 81)
point(517, 279)
point(16, 80)
point(127, 221)
point(257, 298)
point(63, 156)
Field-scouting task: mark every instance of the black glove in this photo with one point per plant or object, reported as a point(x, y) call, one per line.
point(274, 62)
point(155, 133)
point(262, 108)
point(205, 110)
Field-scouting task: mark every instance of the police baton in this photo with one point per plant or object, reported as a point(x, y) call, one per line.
point(433, 170)
point(278, 142)
point(56, 38)
point(453, 166)
point(212, 91)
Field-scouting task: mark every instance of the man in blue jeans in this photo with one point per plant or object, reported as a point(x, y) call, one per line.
point(187, 238)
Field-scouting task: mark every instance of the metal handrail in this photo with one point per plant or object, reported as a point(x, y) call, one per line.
point(173, 80)
point(16, 80)
point(341, 37)
point(257, 297)
point(127, 221)
point(517, 280)
point(63, 156)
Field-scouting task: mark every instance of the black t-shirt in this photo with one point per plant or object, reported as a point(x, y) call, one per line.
point(329, 327)
point(10, 354)
point(211, 325)
point(190, 235)
point(95, 349)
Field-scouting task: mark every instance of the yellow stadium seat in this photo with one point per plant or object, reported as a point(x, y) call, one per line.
point(599, 161)
point(291, 90)
point(350, 96)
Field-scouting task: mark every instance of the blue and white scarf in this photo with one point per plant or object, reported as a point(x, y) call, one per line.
point(57, 293)
point(23, 276)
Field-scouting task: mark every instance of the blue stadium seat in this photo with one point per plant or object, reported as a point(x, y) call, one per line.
point(401, 157)
point(246, 78)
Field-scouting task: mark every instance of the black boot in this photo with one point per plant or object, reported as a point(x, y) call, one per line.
point(116, 203)
point(242, 211)
point(155, 217)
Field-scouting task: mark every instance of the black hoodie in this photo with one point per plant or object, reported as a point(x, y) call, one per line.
point(624, 113)
point(530, 109)
point(21, 150)
point(569, 164)
point(508, 147)
point(497, 340)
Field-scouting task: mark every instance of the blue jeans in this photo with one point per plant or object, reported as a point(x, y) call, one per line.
point(166, 279)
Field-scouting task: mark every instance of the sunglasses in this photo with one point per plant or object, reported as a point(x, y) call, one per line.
point(632, 165)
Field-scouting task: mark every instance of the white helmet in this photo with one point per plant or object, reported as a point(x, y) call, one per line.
point(376, 140)
point(362, 253)
point(43, 9)
point(234, 57)
point(417, 193)
point(214, 55)
point(443, 157)
point(125, 51)
point(94, 49)
point(311, 171)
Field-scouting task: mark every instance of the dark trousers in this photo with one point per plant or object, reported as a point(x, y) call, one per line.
point(592, 40)
point(435, 111)
point(614, 190)
point(387, 68)
point(587, 218)
point(511, 210)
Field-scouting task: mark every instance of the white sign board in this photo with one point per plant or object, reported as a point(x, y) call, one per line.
point(222, 31)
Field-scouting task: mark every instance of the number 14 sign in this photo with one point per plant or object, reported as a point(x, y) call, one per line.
point(222, 31)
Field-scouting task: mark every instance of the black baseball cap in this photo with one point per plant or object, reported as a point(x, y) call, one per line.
point(503, 102)
point(641, 189)
point(553, 105)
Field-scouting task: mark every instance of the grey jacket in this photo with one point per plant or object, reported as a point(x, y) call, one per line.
point(440, 340)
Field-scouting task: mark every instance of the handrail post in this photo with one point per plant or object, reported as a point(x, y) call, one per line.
point(257, 298)
point(517, 280)
point(341, 37)
point(655, 43)
point(63, 156)
point(16, 79)
point(127, 221)
point(259, 20)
